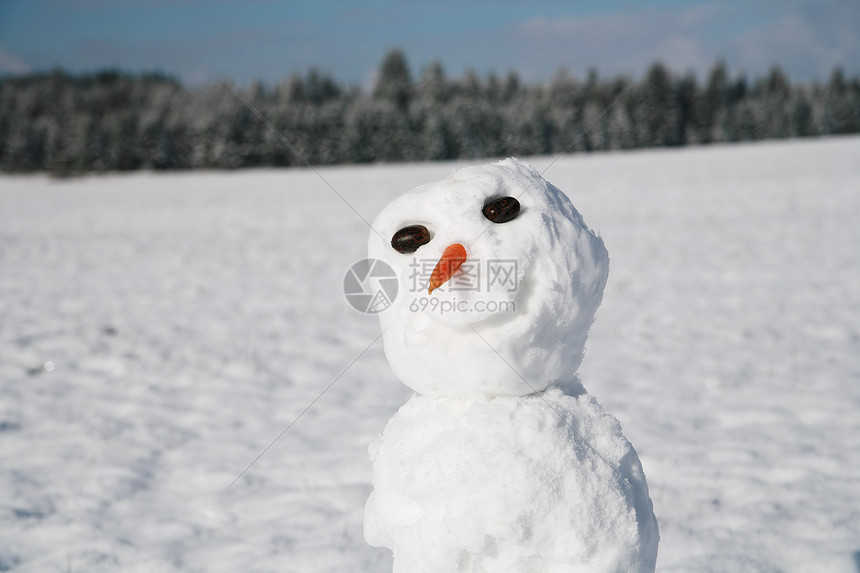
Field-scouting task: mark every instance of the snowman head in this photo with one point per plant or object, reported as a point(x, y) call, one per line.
point(499, 282)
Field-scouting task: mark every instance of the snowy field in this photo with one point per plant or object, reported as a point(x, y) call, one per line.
point(159, 331)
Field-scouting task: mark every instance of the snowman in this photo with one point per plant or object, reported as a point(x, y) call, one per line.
point(500, 461)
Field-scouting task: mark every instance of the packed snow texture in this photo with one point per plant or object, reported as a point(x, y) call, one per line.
point(487, 337)
point(157, 332)
point(540, 483)
point(494, 483)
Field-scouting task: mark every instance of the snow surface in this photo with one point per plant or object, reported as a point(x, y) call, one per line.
point(157, 332)
point(544, 483)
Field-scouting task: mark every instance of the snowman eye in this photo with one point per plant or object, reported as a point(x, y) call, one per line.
point(502, 210)
point(408, 239)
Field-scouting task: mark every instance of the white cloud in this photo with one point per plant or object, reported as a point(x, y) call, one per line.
point(812, 40)
point(12, 64)
point(805, 39)
point(683, 53)
point(623, 42)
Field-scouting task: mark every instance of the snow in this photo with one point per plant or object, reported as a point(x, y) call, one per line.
point(544, 483)
point(492, 466)
point(158, 332)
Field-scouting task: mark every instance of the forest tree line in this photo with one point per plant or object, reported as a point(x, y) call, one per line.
point(116, 121)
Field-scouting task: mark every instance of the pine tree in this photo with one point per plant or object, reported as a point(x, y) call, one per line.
point(395, 81)
point(656, 113)
point(711, 106)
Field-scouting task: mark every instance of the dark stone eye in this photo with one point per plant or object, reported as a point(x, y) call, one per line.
point(502, 210)
point(408, 239)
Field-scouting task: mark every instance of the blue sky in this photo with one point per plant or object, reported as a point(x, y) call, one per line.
point(202, 42)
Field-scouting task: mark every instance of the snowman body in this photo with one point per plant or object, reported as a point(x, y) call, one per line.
point(501, 462)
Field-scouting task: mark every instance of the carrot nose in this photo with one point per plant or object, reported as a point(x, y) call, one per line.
point(452, 258)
